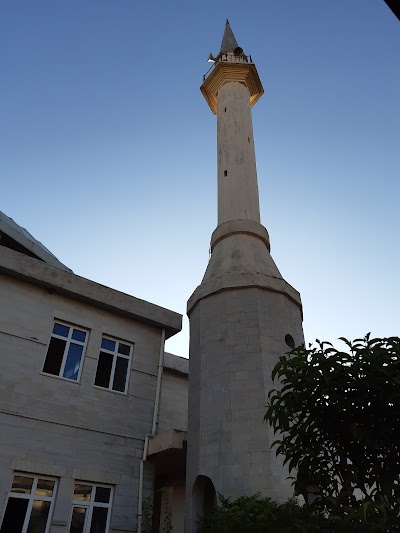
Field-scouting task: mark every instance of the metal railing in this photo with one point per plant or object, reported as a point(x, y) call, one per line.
point(229, 58)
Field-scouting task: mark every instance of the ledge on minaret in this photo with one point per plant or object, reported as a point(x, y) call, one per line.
point(226, 71)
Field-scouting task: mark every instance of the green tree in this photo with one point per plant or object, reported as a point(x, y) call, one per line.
point(337, 418)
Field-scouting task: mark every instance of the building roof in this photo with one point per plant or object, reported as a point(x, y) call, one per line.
point(228, 40)
point(14, 236)
point(61, 281)
point(176, 363)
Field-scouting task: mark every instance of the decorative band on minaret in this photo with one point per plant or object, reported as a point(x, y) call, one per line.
point(239, 315)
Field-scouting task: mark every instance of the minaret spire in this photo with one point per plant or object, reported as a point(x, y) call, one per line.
point(229, 41)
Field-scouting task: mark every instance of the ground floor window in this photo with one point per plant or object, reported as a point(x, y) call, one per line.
point(29, 504)
point(91, 508)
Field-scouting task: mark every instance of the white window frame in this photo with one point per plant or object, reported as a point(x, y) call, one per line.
point(31, 497)
point(68, 340)
point(116, 354)
point(89, 505)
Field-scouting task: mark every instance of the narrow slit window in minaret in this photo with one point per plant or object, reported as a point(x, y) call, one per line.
point(225, 172)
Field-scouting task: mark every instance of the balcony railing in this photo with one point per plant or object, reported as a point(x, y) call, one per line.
point(229, 57)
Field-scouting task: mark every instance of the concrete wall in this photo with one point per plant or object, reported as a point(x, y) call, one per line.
point(237, 174)
point(65, 429)
point(236, 337)
point(174, 396)
point(173, 509)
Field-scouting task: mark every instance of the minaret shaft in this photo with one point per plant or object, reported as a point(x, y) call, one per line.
point(237, 173)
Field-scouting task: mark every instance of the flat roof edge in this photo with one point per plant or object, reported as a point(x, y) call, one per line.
point(18, 265)
point(176, 363)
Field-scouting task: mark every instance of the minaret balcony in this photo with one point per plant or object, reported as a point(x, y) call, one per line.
point(230, 67)
point(230, 57)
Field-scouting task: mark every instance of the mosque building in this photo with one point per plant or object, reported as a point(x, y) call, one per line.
point(96, 418)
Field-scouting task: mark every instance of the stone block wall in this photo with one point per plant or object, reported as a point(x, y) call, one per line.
point(237, 337)
point(72, 430)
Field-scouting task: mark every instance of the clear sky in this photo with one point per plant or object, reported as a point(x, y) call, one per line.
point(108, 150)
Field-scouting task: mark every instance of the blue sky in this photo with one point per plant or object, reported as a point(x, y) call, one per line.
point(108, 150)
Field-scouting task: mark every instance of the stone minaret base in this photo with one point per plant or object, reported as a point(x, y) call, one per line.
point(236, 336)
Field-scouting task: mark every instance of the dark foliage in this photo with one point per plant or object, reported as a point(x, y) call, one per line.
point(337, 418)
point(252, 514)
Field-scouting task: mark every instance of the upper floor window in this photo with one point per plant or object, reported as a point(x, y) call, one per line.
point(91, 505)
point(114, 364)
point(65, 352)
point(29, 504)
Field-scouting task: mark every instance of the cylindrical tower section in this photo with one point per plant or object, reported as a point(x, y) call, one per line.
point(237, 173)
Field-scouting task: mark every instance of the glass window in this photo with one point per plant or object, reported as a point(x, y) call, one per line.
point(99, 520)
point(91, 508)
point(65, 352)
point(102, 494)
point(108, 344)
point(22, 484)
point(44, 487)
point(113, 365)
point(82, 492)
point(78, 335)
point(39, 516)
point(78, 519)
point(61, 329)
point(121, 370)
point(104, 368)
point(29, 504)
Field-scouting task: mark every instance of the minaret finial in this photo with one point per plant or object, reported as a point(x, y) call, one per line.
point(229, 42)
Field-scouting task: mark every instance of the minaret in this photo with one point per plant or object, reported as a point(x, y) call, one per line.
point(243, 315)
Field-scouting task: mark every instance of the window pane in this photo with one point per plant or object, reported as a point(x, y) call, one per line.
point(73, 363)
point(22, 484)
point(39, 515)
point(120, 374)
point(45, 487)
point(59, 329)
point(103, 372)
point(108, 344)
point(102, 494)
point(54, 356)
point(14, 516)
point(82, 492)
point(124, 349)
point(78, 335)
point(99, 520)
point(78, 520)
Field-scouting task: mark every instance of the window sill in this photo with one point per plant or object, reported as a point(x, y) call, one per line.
point(60, 377)
point(110, 390)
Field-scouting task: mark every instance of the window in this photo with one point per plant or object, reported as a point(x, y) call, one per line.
point(91, 506)
point(29, 504)
point(65, 352)
point(114, 364)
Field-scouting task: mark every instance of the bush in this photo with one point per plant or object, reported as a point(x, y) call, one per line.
point(253, 514)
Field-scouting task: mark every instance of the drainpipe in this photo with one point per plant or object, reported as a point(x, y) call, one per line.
point(153, 430)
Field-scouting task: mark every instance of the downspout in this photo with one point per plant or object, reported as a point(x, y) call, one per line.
point(153, 430)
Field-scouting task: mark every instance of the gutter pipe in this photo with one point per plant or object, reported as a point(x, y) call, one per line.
point(153, 430)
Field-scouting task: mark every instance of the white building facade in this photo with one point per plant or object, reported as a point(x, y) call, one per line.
point(79, 369)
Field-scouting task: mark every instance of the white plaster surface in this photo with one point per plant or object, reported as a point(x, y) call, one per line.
point(72, 430)
point(236, 338)
point(174, 401)
point(238, 189)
